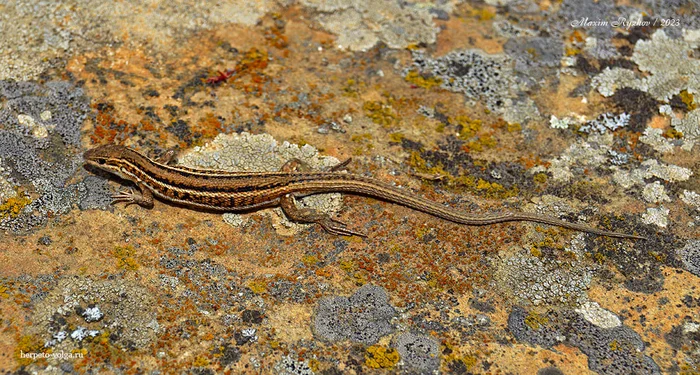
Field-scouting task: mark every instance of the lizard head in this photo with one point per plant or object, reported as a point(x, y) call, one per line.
point(109, 158)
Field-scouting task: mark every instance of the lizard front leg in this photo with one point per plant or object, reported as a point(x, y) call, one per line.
point(129, 196)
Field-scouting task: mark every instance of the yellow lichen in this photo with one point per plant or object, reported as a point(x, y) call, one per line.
point(309, 260)
point(535, 320)
point(469, 361)
point(200, 361)
point(125, 257)
point(688, 99)
point(481, 143)
point(572, 51)
point(3, 291)
point(27, 344)
point(614, 345)
point(352, 88)
point(540, 178)
point(257, 286)
point(347, 266)
point(513, 127)
point(359, 138)
point(426, 82)
point(377, 356)
point(673, 134)
point(469, 126)
point(314, 365)
point(380, 113)
point(13, 206)
point(396, 137)
point(483, 14)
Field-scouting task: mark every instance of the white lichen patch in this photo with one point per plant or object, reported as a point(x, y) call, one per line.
point(628, 179)
point(670, 64)
point(596, 315)
point(690, 127)
point(262, 153)
point(668, 172)
point(653, 138)
point(550, 205)
point(656, 216)
point(610, 80)
point(690, 256)
point(691, 198)
point(360, 25)
point(32, 127)
point(125, 307)
point(666, 109)
point(563, 123)
point(655, 193)
point(7, 189)
point(605, 122)
point(582, 153)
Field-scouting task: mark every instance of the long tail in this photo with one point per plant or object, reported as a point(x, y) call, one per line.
point(360, 185)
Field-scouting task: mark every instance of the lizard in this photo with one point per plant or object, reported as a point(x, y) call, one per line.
point(245, 191)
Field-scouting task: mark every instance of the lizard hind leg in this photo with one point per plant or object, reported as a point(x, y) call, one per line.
point(308, 215)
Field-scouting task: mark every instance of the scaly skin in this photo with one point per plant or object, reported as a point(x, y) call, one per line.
point(238, 191)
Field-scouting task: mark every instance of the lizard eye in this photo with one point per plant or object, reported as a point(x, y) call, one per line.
point(100, 161)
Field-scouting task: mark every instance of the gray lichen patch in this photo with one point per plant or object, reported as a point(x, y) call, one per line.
point(690, 256)
point(690, 127)
point(476, 74)
point(418, 353)
point(262, 153)
point(537, 281)
point(360, 25)
point(610, 350)
point(675, 72)
point(42, 165)
point(289, 365)
point(593, 152)
point(79, 308)
point(363, 317)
